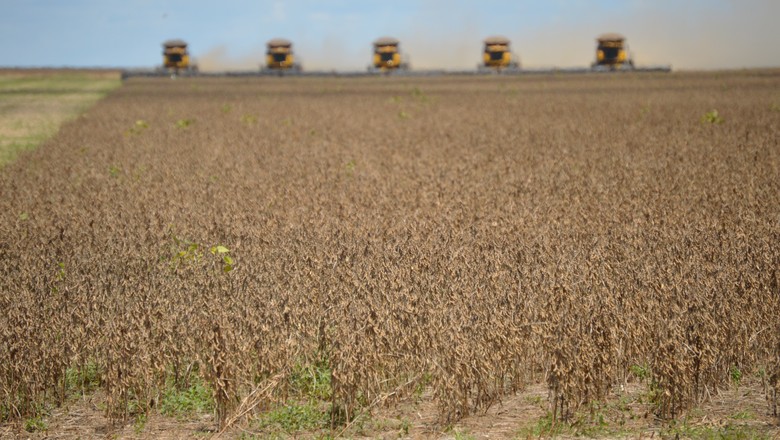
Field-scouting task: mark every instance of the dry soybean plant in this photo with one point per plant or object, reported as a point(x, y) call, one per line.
point(490, 242)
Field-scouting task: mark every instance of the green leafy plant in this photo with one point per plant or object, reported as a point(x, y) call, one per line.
point(404, 428)
point(312, 380)
point(35, 424)
point(114, 171)
point(544, 426)
point(60, 271)
point(684, 429)
point(139, 127)
point(224, 253)
point(350, 167)
point(24, 216)
point(140, 423)
point(194, 399)
point(184, 123)
point(83, 379)
point(404, 115)
point(227, 108)
point(743, 415)
point(641, 372)
point(294, 417)
point(184, 251)
point(461, 435)
point(736, 375)
point(249, 119)
point(419, 95)
point(712, 117)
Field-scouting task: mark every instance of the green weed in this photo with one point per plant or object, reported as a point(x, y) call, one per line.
point(294, 417)
point(114, 171)
point(248, 119)
point(419, 95)
point(736, 375)
point(196, 398)
point(83, 379)
point(350, 167)
point(743, 415)
point(543, 427)
point(421, 385)
point(462, 435)
point(140, 423)
point(35, 424)
point(184, 251)
point(682, 429)
point(139, 127)
point(712, 117)
point(404, 428)
point(641, 372)
point(224, 253)
point(184, 123)
point(312, 380)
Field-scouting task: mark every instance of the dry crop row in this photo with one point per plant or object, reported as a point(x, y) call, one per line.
point(472, 236)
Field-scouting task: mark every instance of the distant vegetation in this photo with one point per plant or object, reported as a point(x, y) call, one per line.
point(33, 104)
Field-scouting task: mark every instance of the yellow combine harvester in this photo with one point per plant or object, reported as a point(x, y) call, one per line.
point(176, 58)
point(612, 53)
point(387, 55)
point(497, 54)
point(279, 56)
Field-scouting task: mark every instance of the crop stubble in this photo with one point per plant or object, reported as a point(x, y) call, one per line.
point(474, 235)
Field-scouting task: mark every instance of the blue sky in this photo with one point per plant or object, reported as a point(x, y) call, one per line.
point(336, 34)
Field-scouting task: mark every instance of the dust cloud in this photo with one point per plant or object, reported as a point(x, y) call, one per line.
point(219, 59)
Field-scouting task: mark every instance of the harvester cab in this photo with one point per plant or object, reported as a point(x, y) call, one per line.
point(279, 56)
point(176, 58)
point(612, 53)
point(497, 54)
point(387, 55)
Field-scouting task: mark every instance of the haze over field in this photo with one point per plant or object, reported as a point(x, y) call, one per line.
point(336, 35)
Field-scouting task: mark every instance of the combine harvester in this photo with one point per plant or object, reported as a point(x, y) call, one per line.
point(176, 59)
point(497, 56)
point(176, 62)
point(279, 57)
point(612, 55)
point(387, 56)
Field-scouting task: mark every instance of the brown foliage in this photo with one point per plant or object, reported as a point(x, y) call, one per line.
point(505, 231)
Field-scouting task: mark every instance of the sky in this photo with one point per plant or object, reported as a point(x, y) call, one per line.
point(337, 34)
